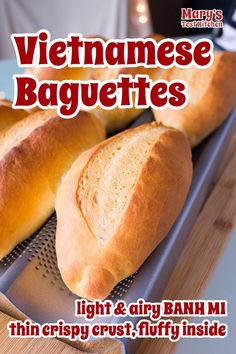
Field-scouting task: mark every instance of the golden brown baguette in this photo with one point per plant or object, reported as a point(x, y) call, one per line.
point(8, 115)
point(116, 204)
point(118, 118)
point(212, 96)
point(60, 74)
point(66, 73)
point(34, 155)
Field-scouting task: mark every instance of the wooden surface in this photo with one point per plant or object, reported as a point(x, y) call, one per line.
point(206, 242)
point(203, 249)
point(26, 345)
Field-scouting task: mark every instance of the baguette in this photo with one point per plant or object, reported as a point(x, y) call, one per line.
point(212, 96)
point(118, 118)
point(34, 155)
point(66, 73)
point(60, 74)
point(117, 203)
point(9, 115)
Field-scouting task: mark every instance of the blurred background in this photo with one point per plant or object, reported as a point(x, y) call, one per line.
point(107, 18)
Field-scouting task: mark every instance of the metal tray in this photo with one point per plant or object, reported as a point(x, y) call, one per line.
point(30, 279)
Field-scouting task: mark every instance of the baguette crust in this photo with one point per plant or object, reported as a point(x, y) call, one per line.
point(9, 115)
point(91, 262)
point(212, 96)
point(66, 73)
point(60, 74)
point(32, 164)
point(118, 118)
